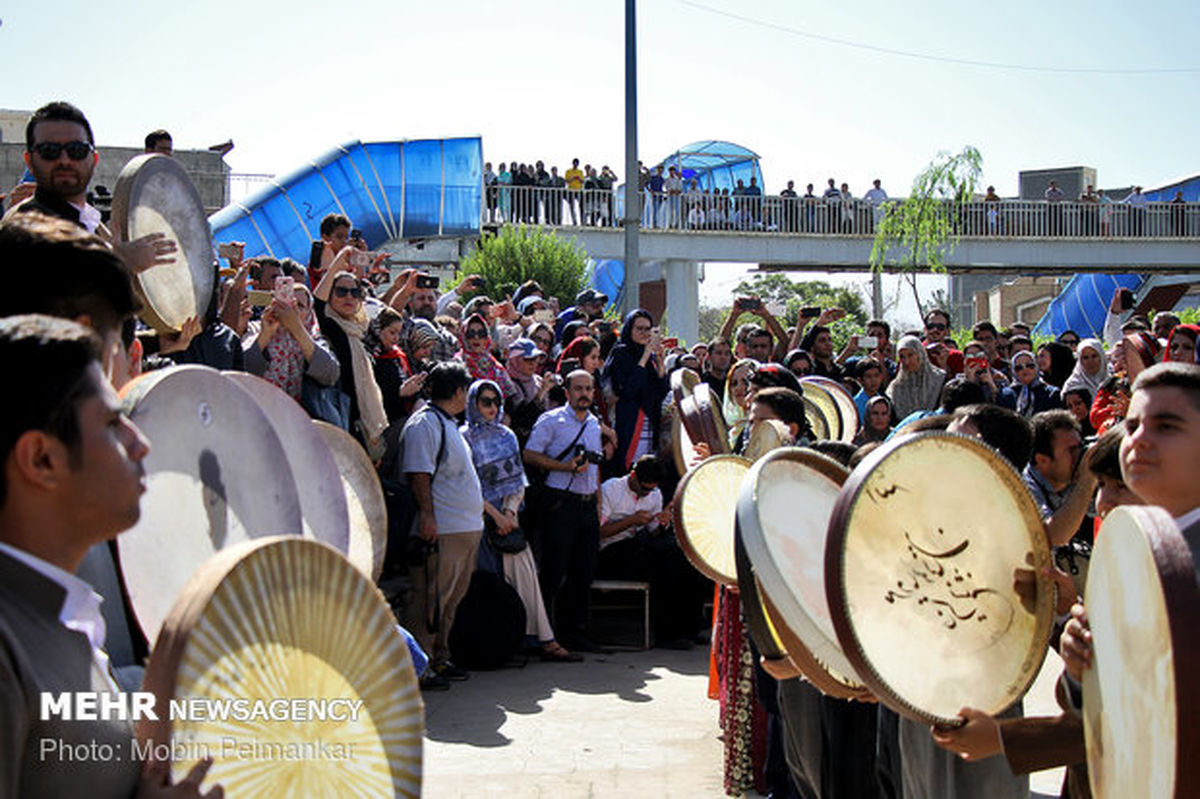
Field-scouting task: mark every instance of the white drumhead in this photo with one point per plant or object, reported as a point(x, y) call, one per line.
point(364, 499)
point(215, 476)
point(318, 485)
point(704, 514)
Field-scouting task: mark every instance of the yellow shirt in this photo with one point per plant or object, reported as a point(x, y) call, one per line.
point(574, 179)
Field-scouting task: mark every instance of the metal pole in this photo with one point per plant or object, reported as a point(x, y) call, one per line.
point(633, 197)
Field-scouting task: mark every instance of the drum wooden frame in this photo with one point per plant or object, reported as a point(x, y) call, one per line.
point(823, 398)
point(790, 566)
point(703, 532)
point(845, 402)
point(919, 569)
point(1140, 696)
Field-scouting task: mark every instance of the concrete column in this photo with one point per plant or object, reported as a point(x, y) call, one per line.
point(683, 299)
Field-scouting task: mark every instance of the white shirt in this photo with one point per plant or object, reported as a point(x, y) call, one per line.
point(875, 196)
point(1188, 519)
point(617, 501)
point(89, 217)
point(81, 607)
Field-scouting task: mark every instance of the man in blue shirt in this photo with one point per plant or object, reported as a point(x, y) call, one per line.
point(566, 443)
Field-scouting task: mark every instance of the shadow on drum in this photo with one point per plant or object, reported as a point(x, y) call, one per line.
point(216, 503)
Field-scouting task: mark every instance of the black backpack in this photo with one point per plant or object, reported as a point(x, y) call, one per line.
point(489, 625)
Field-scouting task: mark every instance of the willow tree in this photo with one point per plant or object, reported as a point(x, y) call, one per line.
point(917, 234)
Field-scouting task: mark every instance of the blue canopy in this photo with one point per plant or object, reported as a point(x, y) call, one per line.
point(1083, 303)
point(715, 164)
point(389, 190)
point(1189, 186)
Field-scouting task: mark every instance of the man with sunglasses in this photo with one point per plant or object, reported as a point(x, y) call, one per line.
point(60, 151)
point(937, 329)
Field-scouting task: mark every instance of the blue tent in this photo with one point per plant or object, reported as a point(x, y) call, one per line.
point(1082, 304)
point(715, 164)
point(389, 190)
point(1189, 186)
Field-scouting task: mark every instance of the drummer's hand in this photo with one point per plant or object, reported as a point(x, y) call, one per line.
point(977, 739)
point(427, 527)
point(413, 385)
point(155, 782)
point(19, 193)
point(702, 449)
point(780, 668)
point(147, 252)
point(1075, 646)
point(178, 342)
point(1025, 586)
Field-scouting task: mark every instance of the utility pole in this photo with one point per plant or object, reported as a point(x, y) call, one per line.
point(633, 197)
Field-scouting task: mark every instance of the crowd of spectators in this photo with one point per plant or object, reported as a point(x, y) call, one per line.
point(670, 199)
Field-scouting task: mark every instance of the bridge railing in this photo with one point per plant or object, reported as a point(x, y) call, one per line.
point(602, 208)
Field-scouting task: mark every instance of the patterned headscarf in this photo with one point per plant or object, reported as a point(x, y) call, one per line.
point(494, 448)
point(483, 365)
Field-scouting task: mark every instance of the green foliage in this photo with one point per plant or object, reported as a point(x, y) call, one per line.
point(922, 228)
point(793, 295)
point(520, 253)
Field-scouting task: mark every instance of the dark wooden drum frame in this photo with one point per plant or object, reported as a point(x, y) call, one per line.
point(1173, 561)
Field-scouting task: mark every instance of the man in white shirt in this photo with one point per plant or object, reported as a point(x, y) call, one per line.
point(72, 478)
point(636, 543)
point(876, 197)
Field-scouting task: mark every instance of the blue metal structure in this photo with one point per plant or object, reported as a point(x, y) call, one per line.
point(715, 164)
point(1083, 303)
point(389, 190)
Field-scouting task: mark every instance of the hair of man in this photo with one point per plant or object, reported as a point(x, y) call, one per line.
point(446, 378)
point(1045, 424)
point(332, 222)
point(57, 268)
point(59, 351)
point(1005, 431)
point(57, 111)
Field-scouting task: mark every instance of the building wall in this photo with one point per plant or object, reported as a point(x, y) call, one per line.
point(1022, 300)
point(1073, 180)
point(207, 170)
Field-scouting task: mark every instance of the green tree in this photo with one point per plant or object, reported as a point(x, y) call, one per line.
point(520, 253)
point(793, 295)
point(923, 229)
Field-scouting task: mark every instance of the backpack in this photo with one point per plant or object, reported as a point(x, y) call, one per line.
point(403, 549)
point(489, 625)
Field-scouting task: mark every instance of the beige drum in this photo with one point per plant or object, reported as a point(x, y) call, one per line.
point(364, 499)
point(783, 511)
point(847, 410)
point(155, 195)
point(1140, 697)
point(703, 512)
point(287, 626)
point(820, 396)
point(920, 558)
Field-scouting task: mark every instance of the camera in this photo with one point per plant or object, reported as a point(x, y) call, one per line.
point(425, 281)
point(590, 457)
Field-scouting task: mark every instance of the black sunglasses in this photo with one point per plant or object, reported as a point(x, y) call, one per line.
point(476, 333)
point(1021, 367)
point(489, 400)
point(51, 150)
point(343, 291)
point(934, 326)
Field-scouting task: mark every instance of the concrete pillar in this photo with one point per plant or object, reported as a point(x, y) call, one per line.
point(683, 299)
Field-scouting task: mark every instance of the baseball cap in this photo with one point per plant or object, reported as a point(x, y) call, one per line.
point(525, 348)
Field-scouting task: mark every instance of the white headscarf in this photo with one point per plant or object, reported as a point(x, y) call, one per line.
point(916, 391)
point(1080, 378)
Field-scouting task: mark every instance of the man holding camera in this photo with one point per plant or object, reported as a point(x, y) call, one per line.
point(566, 442)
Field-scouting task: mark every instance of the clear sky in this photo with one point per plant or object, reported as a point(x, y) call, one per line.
point(544, 79)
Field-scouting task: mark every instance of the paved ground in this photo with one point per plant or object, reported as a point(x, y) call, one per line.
point(627, 724)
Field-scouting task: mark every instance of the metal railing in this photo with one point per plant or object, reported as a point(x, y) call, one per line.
point(834, 216)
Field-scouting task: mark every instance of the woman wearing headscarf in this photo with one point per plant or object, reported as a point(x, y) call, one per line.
point(1091, 367)
point(878, 423)
point(476, 353)
point(395, 378)
point(419, 344)
point(339, 308)
point(918, 383)
point(1181, 343)
point(1059, 363)
point(635, 373)
point(497, 459)
point(1033, 395)
point(289, 346)
point(800, 362)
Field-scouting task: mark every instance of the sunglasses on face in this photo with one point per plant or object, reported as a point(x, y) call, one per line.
point(476, 333)
point(935, 326)
point(1021, 367)
point(489, 400)
point(346, 291)
point(51, 150)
